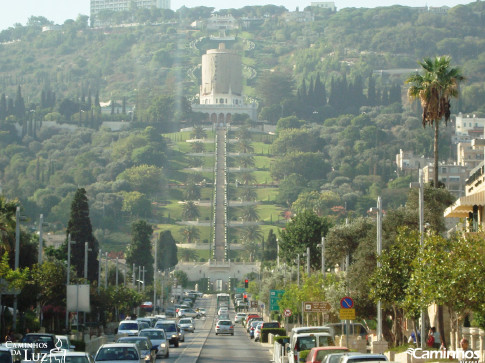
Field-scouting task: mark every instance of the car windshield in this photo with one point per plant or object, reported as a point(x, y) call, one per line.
point(305, 343)
point(117, 353)
point(323, 353)
point(185, 321)
point(153, 334)
point(47, 341)
point(170, 328)
point(128, 326)
point(5, 357)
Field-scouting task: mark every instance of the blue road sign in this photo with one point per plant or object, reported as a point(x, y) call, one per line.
point(347, 303)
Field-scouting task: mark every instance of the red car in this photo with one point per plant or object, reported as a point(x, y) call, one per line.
point(317, 354)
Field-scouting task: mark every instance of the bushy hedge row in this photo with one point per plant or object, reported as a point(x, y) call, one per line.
point(275, 331)
point(282, 339)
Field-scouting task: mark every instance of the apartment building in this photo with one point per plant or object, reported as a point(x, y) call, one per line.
point(123, 5)
point(469, 156)
point(324, 5)
point(451, 175)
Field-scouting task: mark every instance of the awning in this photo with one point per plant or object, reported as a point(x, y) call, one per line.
point(464, 205)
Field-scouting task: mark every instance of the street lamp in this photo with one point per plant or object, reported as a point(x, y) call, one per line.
point(379, 252)
point(68, 279)
point(322, 245)
point(307, 255)
point(298, 269)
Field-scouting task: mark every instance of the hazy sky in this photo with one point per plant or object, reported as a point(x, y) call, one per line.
point(18, 11)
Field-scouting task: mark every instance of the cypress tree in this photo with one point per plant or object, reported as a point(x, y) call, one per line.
point(139, 251)
point(3, 107)
point(319, 92)
point(79, 226)
point(167, 251)
point(123, 109)
point(311, 94)
point(96, 100)
point(19, 106)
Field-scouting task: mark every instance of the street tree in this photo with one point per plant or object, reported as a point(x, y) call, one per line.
point(81, 231)
point(190, 234)
point(435, 87)
point(139, 251)
point(167, 251)
point(190, 211)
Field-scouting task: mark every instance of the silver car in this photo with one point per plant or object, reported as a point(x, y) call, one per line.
point(144, 344)
point(114, 352)
point(68, 357)
point(187, 324)
point(224, 327)
point(159, 341)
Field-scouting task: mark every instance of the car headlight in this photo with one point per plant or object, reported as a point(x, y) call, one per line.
point(174, 336)
point(147, 357)
point(162, 345)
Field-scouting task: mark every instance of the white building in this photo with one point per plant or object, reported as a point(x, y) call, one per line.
point(469, 125)
point(123, 5)
point(324, 5)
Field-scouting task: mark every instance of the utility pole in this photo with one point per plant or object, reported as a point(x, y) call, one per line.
point(421, 243)
point(308, 261)
point(116, 272)
point(322, 245)
point(155, 276)
point(134, 275)
point(85, 260)
point(298, 270)
point(143, 286)
point(106, 270)
point(99, 268)
point(379, 251)
point(41, 223)
point(68, 273)
point(17, 255)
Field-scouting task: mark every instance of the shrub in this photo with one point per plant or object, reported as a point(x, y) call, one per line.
point(275, 331)
point(79, 344)
point(282, 339)
point(303, 355)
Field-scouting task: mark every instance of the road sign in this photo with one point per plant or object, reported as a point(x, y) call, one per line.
point(347, 314)
point(274, 298)
point(240, 290)
point(316, 307)
point(287, 313)
point(347, 303)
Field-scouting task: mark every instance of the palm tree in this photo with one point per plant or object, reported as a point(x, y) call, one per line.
point(435, 88)
point(246, 178)
point(244, 146)
point(249, 213)
point(246, 161)
point(187, 254)
point(190, 234)
point(192, 191)
point(190, 211)
point(247, 193)
point(198, 132)
point(251, 234)
point(197, 147)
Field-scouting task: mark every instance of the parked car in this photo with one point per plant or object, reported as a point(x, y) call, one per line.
point(171, 329)
point(159, 341)
point(68, 357)
point(10, 355)
point(144, 345)
point(128, 327)
point(318, 354)
point(271, 325)
point(250, 316)
point(187, 324)
point(66, 343)
point(114, 352)
point(335, 357)
point(257, 331)
point(224, 327)
point(250, 323)
point(307, 341)
point(252, 327)
point(357, 358)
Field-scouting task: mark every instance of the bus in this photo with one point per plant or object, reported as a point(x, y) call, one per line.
point(222, 300)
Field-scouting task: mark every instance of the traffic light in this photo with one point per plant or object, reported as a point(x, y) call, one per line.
point(246, 283)
point(245, 298)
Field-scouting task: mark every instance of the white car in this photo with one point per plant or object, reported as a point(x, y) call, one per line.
point(68, 357)
point(128, 327)
point(159, 341)
point(187, 324)
point(66, 343)
point(188, 313)
point(240, 317)
point(114, 352)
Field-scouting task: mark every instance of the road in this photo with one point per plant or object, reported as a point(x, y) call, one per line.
point(204, 346)
point(220, 208)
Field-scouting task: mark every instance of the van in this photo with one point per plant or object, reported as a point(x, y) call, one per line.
point(128, 327)
point(310, 329)
point(307, 341)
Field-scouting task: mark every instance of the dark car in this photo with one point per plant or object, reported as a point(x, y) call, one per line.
point(171, 330)
point(39, 343)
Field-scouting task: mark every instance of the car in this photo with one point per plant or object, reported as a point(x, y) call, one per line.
point(66, 343)
point(223, 310)
point(68, 357)
point(224, 327)
point(249, 316)
point(357, 358)
point(257, 331)
point(240, 317)
point(181, 334)
point(171, 329)
point(159, 341)
point(251, 321)
point(201, 311)
point(252, 327)
point(114, 352)
point(145, 320)
point(223, 317)
point(187, 324)
point(128, 327)
point(335, 357)
point(188, 313)
point(307, 341)
point(309, 329)
point(318, 354)
point(44, 343)
point(9, 354)
point(145, 347)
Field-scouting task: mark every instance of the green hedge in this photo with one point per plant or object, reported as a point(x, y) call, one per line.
point(79, 344)
point(303, 355)
point(282, 339)
point(275, 331)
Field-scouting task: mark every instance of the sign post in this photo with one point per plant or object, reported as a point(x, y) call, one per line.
point(347, 313)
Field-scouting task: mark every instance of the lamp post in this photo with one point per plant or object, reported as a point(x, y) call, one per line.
point(421, 242)
point(68, 278)
point(17, 256)
point(307, 255)
point(298, 269)
point(322, 245)
point(106, 270)
point(379, 251)
point(99, 268)
point(41, 222)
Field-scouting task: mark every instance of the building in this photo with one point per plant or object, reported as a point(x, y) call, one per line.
point(220, 93)
point(324, 5)
point(451, 175)
point(224, 22)
point(407, 162)
point(299, 17)
point(469, 126)
point(123, 5)
point(468, 156)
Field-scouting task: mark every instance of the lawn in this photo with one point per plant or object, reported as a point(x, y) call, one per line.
point(266, 194)
point(176, 231)
point(261, 148)
point(262, 162)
